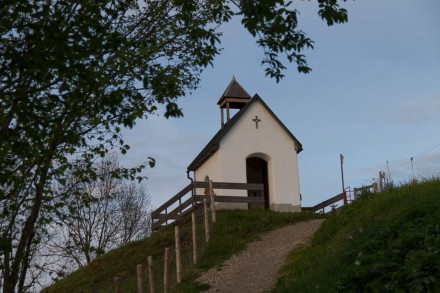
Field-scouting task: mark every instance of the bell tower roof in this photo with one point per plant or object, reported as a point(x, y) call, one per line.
point(235, 95)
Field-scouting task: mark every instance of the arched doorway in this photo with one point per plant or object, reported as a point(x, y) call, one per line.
point(256, 172)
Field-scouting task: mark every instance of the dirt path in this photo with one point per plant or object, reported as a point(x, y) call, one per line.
point(256, 268)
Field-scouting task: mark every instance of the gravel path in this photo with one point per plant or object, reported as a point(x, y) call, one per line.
point(255, 269)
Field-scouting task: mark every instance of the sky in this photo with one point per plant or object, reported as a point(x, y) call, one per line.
point(373, 95)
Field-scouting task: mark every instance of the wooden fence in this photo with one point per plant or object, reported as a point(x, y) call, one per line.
point(187, 199)
point(369, 188)
point(179, 205)
point(345, 196)
point(325, 203)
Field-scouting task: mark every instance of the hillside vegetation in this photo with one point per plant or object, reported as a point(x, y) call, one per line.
point(388, 241)
point(382, 242)
point(232, 232)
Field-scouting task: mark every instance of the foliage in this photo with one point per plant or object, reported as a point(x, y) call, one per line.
point(274, 24)
point(382, 242)
point(74, 73)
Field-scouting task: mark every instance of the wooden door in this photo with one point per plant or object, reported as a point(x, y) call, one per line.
point(256, 172)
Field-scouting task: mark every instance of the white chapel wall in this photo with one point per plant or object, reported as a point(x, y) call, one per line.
point(210, 168)
point(270, 139)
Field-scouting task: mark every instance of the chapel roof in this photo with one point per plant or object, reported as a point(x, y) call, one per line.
point(214, 144)
point(234, 90)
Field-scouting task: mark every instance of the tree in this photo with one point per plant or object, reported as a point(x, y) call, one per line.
point(73, 73)
point(106, 213)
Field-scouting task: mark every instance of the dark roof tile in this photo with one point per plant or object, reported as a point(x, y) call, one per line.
point(234, 90)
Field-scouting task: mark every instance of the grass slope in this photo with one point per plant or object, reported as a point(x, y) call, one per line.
point(232, 232)
point(383, 242)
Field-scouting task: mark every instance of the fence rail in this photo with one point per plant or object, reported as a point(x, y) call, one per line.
point(325, 203)
point(185, 200)
point(228, 198)
point(346, 195)
point(172, 200)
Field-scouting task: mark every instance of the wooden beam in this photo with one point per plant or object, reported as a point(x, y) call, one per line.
point(228, 198)
point(174, 214)
point(233, 100)
point(231, 185)
point(328, 202)
point(172, 200)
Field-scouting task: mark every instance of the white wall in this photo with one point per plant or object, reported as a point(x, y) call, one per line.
point(270, 139)
point(210, 168)
point(269, 142)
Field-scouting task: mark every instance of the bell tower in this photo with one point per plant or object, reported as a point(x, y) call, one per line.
point(234, 97)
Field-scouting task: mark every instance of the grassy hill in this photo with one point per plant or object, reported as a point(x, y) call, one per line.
point(382, 242)
point(232, 232)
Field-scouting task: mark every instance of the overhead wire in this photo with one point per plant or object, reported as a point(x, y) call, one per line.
point(416, 156)
point(409, 159)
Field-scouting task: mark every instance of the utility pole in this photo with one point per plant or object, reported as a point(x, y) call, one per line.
point(341, 157)
point(412, 168)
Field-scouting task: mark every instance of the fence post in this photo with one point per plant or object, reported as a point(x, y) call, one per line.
point(178, 261)
point(205, 214)
point(139, 278)
point(194, 237)
point(381, 177)
point(165, 270)
point(211, 193)
point(118, 285)
point(150, 273)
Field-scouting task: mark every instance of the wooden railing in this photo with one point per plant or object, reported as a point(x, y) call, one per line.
point(369, 188)
point(186, 199)
point(345, 196)
point(325, 203)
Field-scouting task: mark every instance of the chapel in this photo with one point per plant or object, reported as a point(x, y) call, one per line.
point(252, 146)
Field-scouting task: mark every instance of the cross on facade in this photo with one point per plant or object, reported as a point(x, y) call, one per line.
point(256, 120)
